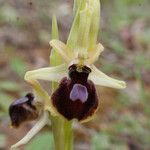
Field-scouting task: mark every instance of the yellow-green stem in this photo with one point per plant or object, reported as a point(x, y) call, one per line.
point(58, 133)
point(62, 129)
point(68, 135)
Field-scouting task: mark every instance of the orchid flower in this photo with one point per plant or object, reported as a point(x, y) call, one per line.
point(30, 108)
point(76, 96)
point(77, 78)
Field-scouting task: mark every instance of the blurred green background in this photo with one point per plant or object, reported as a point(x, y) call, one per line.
point(123, 119)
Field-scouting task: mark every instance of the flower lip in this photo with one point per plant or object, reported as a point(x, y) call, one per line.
point(23, 110)
point(73, 105)
point(76, 96)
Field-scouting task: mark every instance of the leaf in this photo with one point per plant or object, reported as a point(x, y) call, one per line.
point(101, 141)
point(18, 66)
point(2, 140)
point(9, 85)
point(5, 101)
point(118, 47)
point(41, 142)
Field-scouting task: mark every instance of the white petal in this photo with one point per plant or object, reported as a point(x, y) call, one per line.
point(37, 127)
point(99, 78)
point(93, 56)
point(49, 73)
point(62, 49)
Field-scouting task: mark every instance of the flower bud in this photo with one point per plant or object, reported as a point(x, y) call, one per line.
point(22, 110)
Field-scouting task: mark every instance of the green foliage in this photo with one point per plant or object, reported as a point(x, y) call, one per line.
point(9, 86)
point(2, 141)
point(125, 128)
point(101, 141)
point(5, 97)
point(142, 61)
point(18, 66)
point(117, 47)
point(10, 15)
point(126, 11)
point(107, 141)
point(41, 142)
point(5, 101)
point(109, 67)
point(123, 100)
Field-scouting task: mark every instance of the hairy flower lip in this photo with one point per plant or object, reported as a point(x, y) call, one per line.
point(74, 109)
point(72, 105)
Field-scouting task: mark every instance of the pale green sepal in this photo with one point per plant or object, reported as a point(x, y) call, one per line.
point(55, 58)
point(76, 6)
point(72, 39)
point(49, 73)
point(42, 99)
point(99, 78)
point(41, 96)
point(95, 23)
point(55, 32)
point(63, 50)
point(94, 54)
point(83, 30)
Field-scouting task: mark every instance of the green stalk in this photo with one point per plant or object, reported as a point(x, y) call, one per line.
point(62, 129)
point(68, 135)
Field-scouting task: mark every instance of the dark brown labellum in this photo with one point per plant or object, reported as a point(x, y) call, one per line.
point(76, 96)
point(22, 110)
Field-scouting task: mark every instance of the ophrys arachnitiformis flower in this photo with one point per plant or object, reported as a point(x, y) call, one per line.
point(75, 97)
